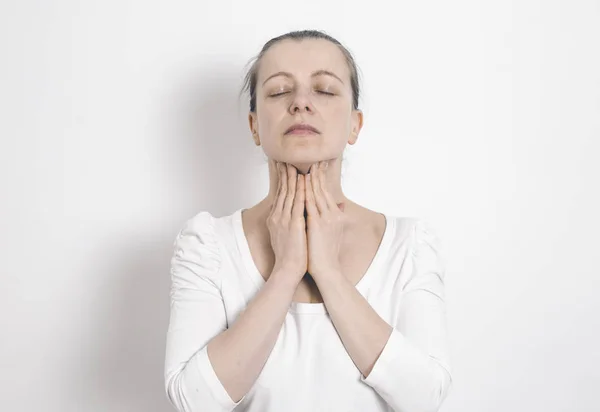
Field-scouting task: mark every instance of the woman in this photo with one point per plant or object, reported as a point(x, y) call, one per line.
point(306, 301)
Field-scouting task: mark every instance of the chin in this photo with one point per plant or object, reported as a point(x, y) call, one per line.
point(303, 168)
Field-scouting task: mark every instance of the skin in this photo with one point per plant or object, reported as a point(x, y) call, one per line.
point(238, 354)
point(305, 101)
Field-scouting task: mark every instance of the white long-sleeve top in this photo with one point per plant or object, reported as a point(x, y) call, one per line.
point(213, 278)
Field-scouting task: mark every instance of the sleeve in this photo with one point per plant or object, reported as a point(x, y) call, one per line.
point(412, 373)
point(197, 314)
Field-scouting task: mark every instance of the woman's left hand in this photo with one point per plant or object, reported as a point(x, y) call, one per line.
point(325, 224)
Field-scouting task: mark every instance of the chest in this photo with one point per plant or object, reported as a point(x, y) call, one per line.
point(359, 248)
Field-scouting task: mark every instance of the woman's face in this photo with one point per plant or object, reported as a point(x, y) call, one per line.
point(305, 81)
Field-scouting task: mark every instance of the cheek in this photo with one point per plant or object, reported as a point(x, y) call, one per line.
point(266, 119)
point(339, 119)
point(341, 112)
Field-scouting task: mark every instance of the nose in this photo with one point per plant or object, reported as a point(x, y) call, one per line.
point(301, 102)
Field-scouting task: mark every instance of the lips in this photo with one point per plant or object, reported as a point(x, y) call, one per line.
point(302, 127)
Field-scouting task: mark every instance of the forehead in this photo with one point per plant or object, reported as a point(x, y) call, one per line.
point(303, 57)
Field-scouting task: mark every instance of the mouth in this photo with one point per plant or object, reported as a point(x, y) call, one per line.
point(302, 130)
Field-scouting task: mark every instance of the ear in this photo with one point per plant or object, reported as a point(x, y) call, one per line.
point(253, 123)
point(356, 125)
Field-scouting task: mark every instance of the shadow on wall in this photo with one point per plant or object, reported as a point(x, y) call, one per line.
point(208, 151)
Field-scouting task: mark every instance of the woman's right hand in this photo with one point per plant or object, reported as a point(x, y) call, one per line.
point(286, 223)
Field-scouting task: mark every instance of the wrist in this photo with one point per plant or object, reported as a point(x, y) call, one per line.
point(285, 278)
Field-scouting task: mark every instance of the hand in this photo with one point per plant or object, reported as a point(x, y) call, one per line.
point(286, 224)
point(325, 222)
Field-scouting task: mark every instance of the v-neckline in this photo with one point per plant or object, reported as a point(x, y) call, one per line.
point(305, 307)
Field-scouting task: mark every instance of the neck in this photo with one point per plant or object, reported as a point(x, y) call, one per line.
point(332, 179)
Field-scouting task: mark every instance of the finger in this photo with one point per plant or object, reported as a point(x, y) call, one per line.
point(319, 197)
point(298, 209)
point(291, 189)
point(311, 207)
point(274, 203)
point(283, 189)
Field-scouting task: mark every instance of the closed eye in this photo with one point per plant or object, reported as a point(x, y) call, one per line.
point(318, 91)
point(277, 94)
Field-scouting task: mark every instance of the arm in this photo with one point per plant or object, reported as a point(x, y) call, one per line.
point(210, 367)
point(407, 363)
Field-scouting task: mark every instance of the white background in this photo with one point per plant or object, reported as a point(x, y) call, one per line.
point(120, 120)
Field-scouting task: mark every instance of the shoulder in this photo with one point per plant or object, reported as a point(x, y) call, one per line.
point(202, 222)
point(198, 229)
point(423, 243)
point(425, 237)
point(428, 256)
point(196, 247)
point(418, 231)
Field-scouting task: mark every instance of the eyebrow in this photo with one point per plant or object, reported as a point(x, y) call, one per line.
point(316, 73)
